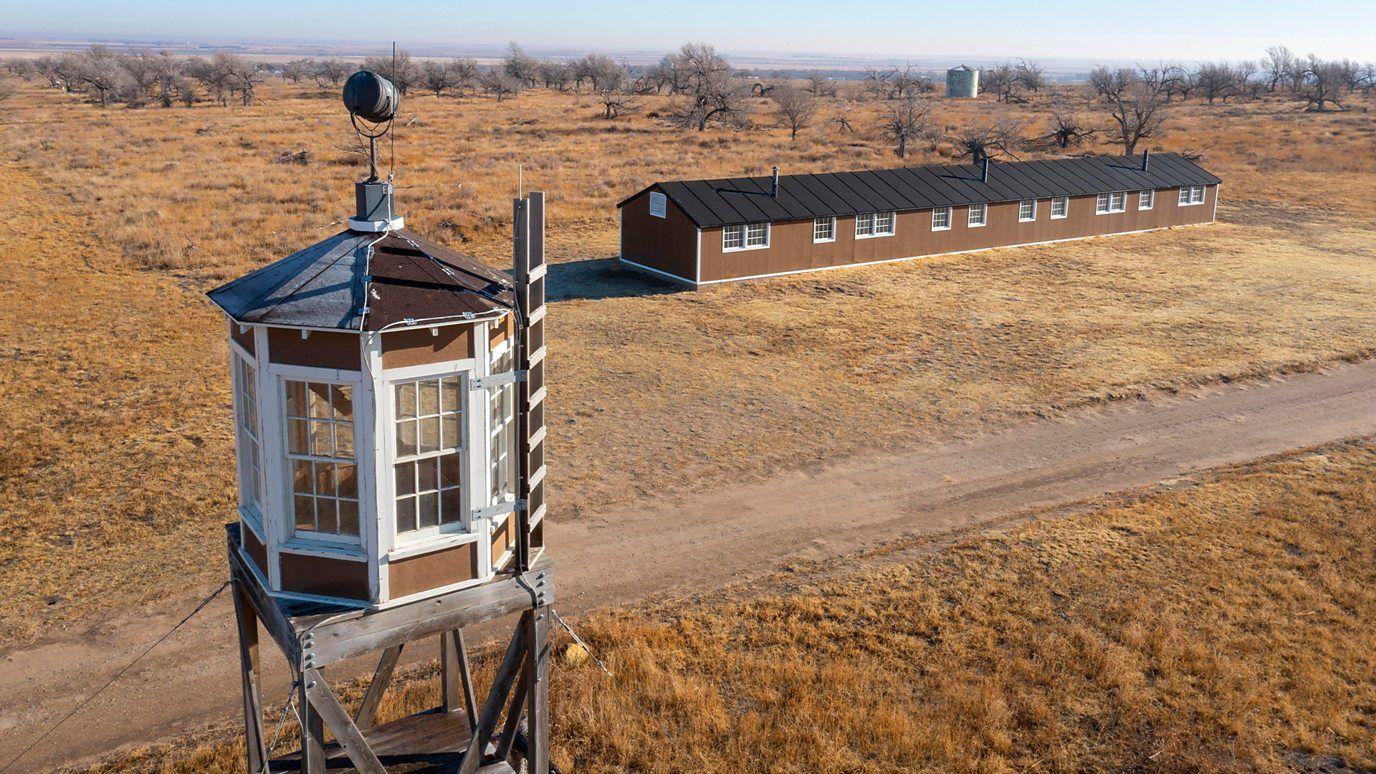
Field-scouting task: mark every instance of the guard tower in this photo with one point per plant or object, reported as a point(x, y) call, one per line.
point(389, 425)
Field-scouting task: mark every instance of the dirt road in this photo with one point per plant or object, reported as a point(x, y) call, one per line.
point(704, 541)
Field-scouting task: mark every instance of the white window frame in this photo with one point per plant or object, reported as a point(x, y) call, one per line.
point(494, 429)
point(464, 452)
point(252, 511)
point(1146, 199)
point(291, 538)
point(1030, 205)
point(1191, 195)
point(947, 212)
point(1104, 204)
point(893, 224)
point(982, 221)
point(1064, 202)
point(750, 233)
point(864, 226)
point(742, 231)
point(830, 226)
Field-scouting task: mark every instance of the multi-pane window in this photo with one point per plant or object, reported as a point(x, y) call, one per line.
point(250, 446)
point(1027, 210)
point(874, 224)
point(1146, 199)
point(1191, 194)
point(1060, 207)
point(429, 442)
point(1111, 202)
point(823, 229)
point(941, 218)
point(503, 428)
point(751, 235)
point(977, 215)
point(320, 451)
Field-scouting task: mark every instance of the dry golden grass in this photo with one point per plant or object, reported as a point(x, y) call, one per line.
point(116, 454)
point(1228, 626)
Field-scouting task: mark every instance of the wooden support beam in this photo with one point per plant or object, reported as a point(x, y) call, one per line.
point(350, 739)
point(516, 707)
point(267, 609)
point(470, 696)
point(382, 677)
point(449, 672)
point(496, 698)
point(312, 733)
point(251, 679)
point(536, 673)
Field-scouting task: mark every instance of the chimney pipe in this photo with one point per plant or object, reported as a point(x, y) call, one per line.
point(1146, 159)
point(984, 171)
point(774, 186)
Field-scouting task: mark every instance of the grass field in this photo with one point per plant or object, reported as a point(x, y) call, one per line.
point(115, 451)
point(1224, 625)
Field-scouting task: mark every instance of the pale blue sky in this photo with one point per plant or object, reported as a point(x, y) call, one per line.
point(1151, 30)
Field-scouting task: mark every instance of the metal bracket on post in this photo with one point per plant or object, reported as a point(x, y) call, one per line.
point(497, 380)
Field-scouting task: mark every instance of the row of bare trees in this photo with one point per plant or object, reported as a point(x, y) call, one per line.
point(144, 78)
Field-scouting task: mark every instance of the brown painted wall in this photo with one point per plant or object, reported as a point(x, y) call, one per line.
point(244, 339)
point(791, 247)
point(433, 570)
point(501, 538)
point(320, 349)
point(668, 244)
point(419, 346)
point(504, 329)
point(255, 549)
point(320, 575)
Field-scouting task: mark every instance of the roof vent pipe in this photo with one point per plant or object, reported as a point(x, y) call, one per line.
point(375, 208)
point(984, 171)
point(1146, 159)
point(774, 185)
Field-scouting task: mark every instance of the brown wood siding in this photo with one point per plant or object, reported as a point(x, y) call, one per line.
point(501, 538)
point(503, 330)
point(421, 347)
point(321, 575)
point(668, 244)
point(244, 339)
point(255, 549)
point(320, 349)
point(436, 569)
point(791, 247)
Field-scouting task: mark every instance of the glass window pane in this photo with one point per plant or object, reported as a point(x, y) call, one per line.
point(429, 509)
point(296, 399)
point(298, 436)
point(406, 399)
point(341, 398)
point(320, 401)
point(406, 437)
point(449, 393)
point(321, 443)
point(348, 517)
point(406, 514)
point(346, 480)
point(344, 440)
point(428, 474)
point(451, 510)
point(324, 478)
point(305, 512)
point(406, 478)
point(429, 397)
point(302, 479)
point(449, 470)
point(326, 516)
point(430, 434)
point(450, 426)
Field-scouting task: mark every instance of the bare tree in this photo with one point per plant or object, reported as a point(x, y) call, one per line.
point(1003, 82)
point(905, 121)
point(297, 69)
point(1217, 81)
point(1067, 130)
point(436, 76)
point(499, 83)
point(821, 86)
point(613, 89)
point(987, 141)
point(1279, 66)
point(244, 79)
point(463, 74)
point(521, 66)
point(556, 75)
point(1030, 76)
point(100, 71)
point(6, 90)
point(398, 68)
point(331, 72)
point(1321, 85)
point(714, 94)
point(1136, 100)
point(876, 82)
point(908, 82)
point(68, 71)
point(795, 108)
point(603, 73)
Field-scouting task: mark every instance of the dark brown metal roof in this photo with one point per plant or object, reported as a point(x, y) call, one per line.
point(362, 281)
point(729, 202)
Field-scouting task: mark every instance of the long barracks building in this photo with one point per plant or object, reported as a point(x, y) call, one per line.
point(702, 232)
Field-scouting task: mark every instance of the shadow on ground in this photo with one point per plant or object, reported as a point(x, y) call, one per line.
point(599, 278)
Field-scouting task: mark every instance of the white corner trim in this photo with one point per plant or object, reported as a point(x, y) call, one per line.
point(697, 258)
point(665, 274)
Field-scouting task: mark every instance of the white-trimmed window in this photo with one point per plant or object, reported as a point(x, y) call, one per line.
point(1060, 207)
point(502, 430)
point(941, 218)
point(874, 224)
point(1027, 210)
point(321, 458)
point(427, 472)
point(250, 445)
point(977, 216)
point(1116, 201)
point(1146, 199)
point(752, 236)
point(1191, 194)
point(824, 229)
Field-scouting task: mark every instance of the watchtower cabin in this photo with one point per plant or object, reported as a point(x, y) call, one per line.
point(701, 232)
point(374, 411)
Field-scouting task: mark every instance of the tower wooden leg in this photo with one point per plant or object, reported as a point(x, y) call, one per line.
point(537, 690)
point(250, 676)
point(367, 710)
point(455, 676)
point(312, 733)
